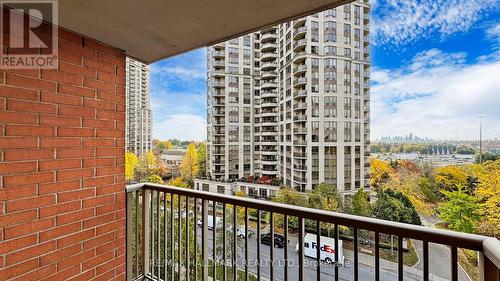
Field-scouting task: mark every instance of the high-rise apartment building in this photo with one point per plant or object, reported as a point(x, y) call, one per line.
point(138, 124)
point(292, 102)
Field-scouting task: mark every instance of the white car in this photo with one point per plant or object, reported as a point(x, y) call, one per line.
point(210, 222)
point(240, 231)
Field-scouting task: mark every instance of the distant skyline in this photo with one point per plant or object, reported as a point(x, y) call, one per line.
point(435, 67)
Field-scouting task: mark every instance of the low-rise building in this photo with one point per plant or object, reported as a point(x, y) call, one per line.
point(254, 190)
point(172, 159)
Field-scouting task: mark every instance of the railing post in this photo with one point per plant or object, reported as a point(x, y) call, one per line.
point(204, 238)
point(146, 201)
point(129, 234)
point(487, 269)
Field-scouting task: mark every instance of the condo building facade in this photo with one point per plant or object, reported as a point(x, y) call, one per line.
point(138, 123)
point(291, 103)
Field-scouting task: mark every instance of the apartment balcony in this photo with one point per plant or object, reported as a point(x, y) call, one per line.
point(269, 113)
point(269, 74)
point(267, 56)
point(269, 85)
point(300, 131)
point(300, 32)
point(299, 45)
point(299, 70)
point(218, 63)
point(268, 94)
point(300, 142)
point(268, 66)
point(300, 118)
point(218, 113)
point(218, 73)
point(268, 46)
point(218, 84)
point(300, 82)
point(218, 54)
point(300, 94)
point(268, 36)
point(299, 22)
point(300, 106)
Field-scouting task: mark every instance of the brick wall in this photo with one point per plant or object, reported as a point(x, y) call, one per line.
point(62, 200)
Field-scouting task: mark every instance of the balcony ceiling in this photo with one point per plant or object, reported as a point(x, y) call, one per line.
point(150, 30)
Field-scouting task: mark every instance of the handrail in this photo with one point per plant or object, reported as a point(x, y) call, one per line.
point(445, 237)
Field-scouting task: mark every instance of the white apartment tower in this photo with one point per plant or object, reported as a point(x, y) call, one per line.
point(138, 125)
point(292, 102)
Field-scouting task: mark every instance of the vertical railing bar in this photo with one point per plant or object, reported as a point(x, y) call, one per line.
point(165, 244)
point(377, 256)
point(356, 263)
point(179, 237)
point(214, 239)
point(454, 263)
point(195, 206)
point(285, 225)
point(187, 238)
point(337, 263)
point(145, 230)
point(318, 250)
point(301, 248)
point(425, 245)
point(235, 229)
point(271, 250)
point(137, 192)
point(157, 261)
point(130, 259)
point(224, 241)
point(172, 238)
point(152, 243)
point(258, 244)
point(400, 258)
point(204, 239)
point(246, 244)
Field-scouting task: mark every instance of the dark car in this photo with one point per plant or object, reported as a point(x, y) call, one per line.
point(279, 240)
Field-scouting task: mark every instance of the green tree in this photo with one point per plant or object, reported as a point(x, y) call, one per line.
point(178, 182)
point(131, 162)
point(289, 196)
point(395, 206)
point(146, 167)
point(155, 179)
point(460, 211)
point(325, 197)
point(201, 159)
point(360, 204)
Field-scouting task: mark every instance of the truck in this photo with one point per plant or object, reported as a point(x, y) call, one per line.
point(327, 248)
point(210, 222)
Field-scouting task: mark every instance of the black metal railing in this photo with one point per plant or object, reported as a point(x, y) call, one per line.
point(169, 231)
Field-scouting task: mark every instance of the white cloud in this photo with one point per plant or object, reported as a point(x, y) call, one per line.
point(398, 22)
point(182, 126)
point(494, 33)
point(437, 97)
point(179, 72)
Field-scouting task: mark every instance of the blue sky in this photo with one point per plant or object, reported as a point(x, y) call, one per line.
point(435, 67)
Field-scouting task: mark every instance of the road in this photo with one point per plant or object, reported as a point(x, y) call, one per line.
point(366, 269)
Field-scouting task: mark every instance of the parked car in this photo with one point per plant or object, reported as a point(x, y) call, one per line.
point(279, 240)
point(240, 231)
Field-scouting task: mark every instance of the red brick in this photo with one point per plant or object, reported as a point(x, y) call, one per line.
point(17, 168)
point(111, 78)
point(2, 103)
point(60, 231)
point(75, 216)
point(23, 130)
point(76, 237)
point(60, 142)
point(26, 72)
point(94, 44)
point(98, 162)
point(77, 49)
point(18, 93)
point(87, 275)
point(91, 263)
point(59, 208)
point(38, 274)
point(110, 151)
point(31, 83)
point(69, 57)
point(111, 97)
point(12, 142)
point(98, 85)
point(110, 170)
point(96, 201)
point(26, 154)
point(77, 91)
point(75, 132)
point(60, 120)
point(95, 221)
point(69, 36)
point(17, 218)
point(18, 243)
point(105, 133)
point(30, 203)
point(99, 104)
point(20, 255)
point(76, 259)
point(63, 175)
point(75, 195)
point(109, 227)
point(75, 153)
point(98, 142)
point(60, 164)
point(112, 115)
point(98, 181)
point(17, 193)
point(63, 274)
point(28, 228)
point(99, 66)
point(109, 189)
point(18, 269)
point(109, 265)
point(27, 106)
point(96, 123)
point(62, 77)
point(22, 179)
point(76, 69)
point(77, 111)
point(17, 118)
point(58, 98)
point(106, 276)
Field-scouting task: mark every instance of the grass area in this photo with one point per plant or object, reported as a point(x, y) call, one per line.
point(468, 261)
point(410, 257)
